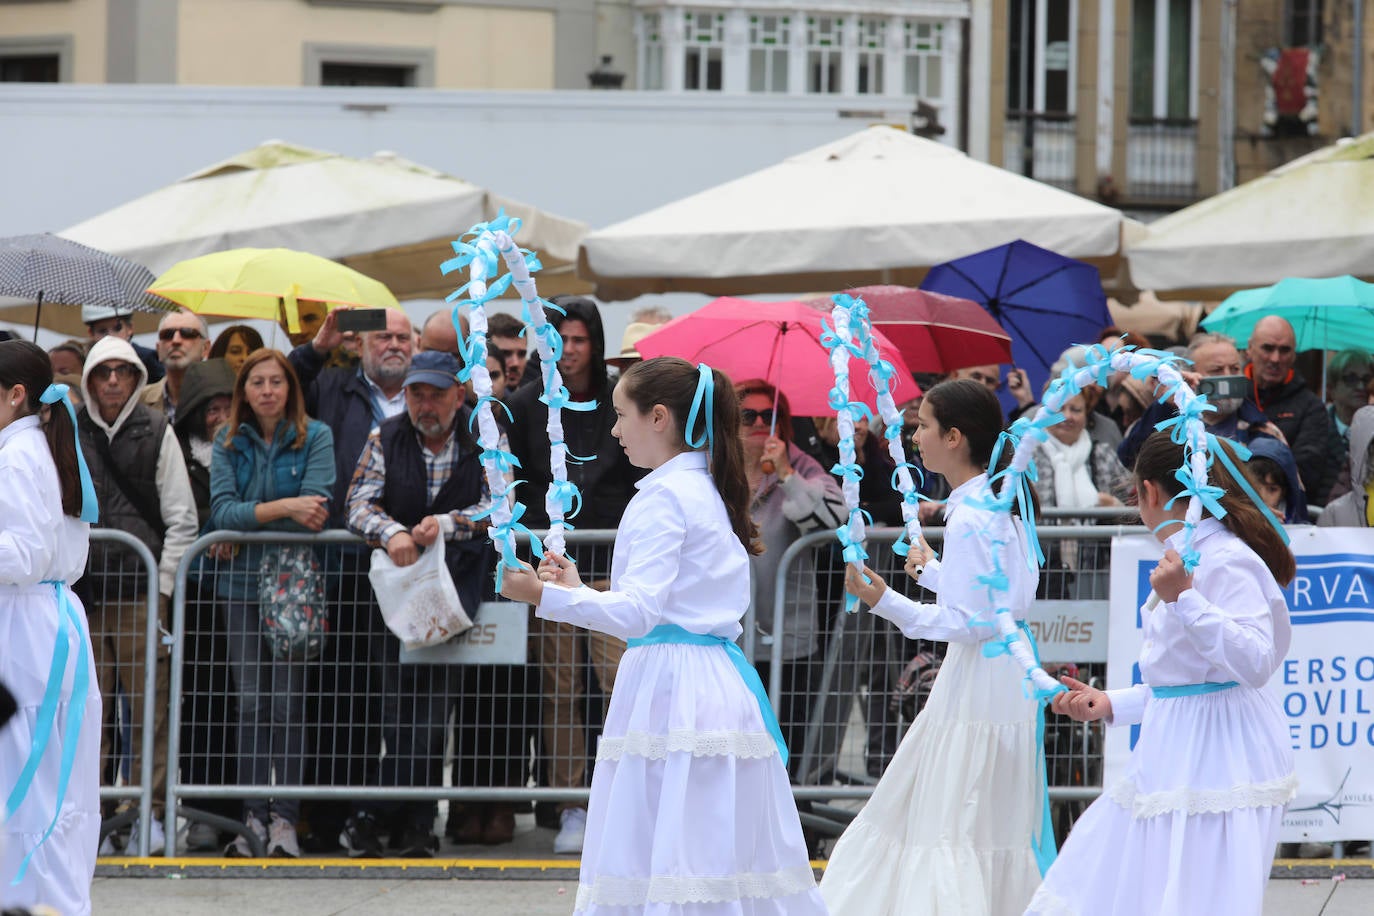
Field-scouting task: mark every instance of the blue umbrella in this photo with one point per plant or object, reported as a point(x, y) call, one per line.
point(1045, 301)
point(1331, 313)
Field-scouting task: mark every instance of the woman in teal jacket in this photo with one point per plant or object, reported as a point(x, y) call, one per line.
point(273, 469)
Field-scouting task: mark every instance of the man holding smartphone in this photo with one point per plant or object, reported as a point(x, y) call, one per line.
point(1216, 371)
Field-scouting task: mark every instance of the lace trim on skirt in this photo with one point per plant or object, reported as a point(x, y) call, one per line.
point(743, 745)
point(608, 890)
point(1272, 794)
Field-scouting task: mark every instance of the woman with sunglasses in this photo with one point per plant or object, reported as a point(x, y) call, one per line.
point(182, 339)
point(792, 496)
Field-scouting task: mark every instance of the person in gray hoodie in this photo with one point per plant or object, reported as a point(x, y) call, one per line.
point(1352, 509)
point(140, 479)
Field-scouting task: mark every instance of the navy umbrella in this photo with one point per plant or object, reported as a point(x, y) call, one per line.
point(1045, 301)
point(49, 268)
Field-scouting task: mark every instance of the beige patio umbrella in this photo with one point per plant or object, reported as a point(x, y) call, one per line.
point(878, 206)
point(384, 216)
point(1313, 217)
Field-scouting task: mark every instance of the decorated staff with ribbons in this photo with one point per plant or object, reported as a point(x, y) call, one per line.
point(691, 808)
point(1192, 827)
point(50, 750)
point(958, 823)
point(478, 250)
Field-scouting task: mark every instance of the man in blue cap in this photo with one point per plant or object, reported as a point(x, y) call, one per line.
point(420, 479)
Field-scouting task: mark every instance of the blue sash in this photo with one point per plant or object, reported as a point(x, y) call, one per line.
point(672, 634)
point(1192, 690)
point(47, 715)
point(1042, 842)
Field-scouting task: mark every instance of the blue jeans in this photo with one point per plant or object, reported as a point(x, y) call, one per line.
point(271, 720)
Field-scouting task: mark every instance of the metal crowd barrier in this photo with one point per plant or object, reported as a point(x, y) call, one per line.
point(127, 660)
point(510, 712)
point(847, 686)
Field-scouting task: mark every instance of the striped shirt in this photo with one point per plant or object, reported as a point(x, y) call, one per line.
point(367, 518)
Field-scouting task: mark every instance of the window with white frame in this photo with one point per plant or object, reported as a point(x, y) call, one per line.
point(922, 50)
point(769, 40)
point(824, 50)
point(650, 50)
point(704, 48)
point(872, 39)
point(1041, 55)
point(1163, 60)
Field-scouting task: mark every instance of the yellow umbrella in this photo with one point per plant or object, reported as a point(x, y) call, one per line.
point(262, 282)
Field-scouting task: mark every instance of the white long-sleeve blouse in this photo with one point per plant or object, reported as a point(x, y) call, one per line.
point(677, 560)
point(977, 541)
point(1232, 625)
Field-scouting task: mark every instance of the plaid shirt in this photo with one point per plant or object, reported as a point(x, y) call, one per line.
point(365, 514)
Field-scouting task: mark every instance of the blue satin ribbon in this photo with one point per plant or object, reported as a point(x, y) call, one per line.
point(1043, 843)
point(672, 634)
point(90, 509)
point(1192, 690)
point(1214, 450)
point(47, 716)
point(705, 395)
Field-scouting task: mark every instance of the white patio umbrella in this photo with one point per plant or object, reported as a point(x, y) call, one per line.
point(1313, 217)
point(383, 216)
point(878, 206)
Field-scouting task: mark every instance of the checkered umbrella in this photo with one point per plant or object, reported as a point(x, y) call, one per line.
point(49, 268)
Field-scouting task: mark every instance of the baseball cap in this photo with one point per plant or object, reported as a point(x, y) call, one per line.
point(433, 367)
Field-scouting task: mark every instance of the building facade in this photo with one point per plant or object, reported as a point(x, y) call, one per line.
point(1144, 104)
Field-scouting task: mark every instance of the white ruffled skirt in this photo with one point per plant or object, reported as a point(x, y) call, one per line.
point(948, 828)
point(1192, 826)
point(60, 872)
point(691, 809)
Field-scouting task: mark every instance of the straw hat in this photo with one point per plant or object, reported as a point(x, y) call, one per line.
point(635, 331)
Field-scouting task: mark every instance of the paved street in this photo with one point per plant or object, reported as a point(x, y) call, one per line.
point(325, 896)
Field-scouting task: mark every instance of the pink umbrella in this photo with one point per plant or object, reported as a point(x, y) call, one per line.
point(775, 341)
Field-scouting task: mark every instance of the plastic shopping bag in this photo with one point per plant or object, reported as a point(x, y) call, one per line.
point(419, 602)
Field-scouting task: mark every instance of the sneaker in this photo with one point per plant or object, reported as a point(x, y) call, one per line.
point(239, 849)
point(281, 839)
point(157, 841)
point(201, 837)
point(359, 837)
point(417, 843)
point(1314, 850)
point(572, 831)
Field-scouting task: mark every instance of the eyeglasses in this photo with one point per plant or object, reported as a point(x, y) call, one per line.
point(750, 417)
point(1357, 380)
point(105, 370)
point(167, 334)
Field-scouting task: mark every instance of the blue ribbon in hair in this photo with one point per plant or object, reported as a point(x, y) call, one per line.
point(1216, 452)
point(90, 510)
point(703, 405)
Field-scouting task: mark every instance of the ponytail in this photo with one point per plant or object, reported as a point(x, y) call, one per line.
point(1160, 457)
point(727, 465)
point(25, 363)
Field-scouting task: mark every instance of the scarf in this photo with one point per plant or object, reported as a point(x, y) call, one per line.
point(1073, 481)
point(1073, 484)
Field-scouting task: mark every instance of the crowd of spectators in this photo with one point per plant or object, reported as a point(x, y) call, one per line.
point(369, 433)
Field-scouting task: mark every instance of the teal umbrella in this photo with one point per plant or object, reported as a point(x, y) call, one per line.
point(1335, 313)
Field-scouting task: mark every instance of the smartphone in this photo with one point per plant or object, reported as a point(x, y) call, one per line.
point(1222, 387)
point(362, 320)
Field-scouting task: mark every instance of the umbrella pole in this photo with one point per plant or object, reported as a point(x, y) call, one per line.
point(37, 313)
point(775, 359)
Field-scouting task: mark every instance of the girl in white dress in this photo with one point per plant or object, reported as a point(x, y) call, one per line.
point(949, 828)
point(50, 750)
point(691, 809)
point(1191, 827)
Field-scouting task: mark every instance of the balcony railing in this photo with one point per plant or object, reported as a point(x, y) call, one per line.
point(1161, 160)
point(1040, 145)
